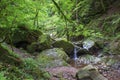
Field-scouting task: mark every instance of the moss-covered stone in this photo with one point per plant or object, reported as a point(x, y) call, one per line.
point(19, 36)
point(89, 73)
point(67, 46)
point(25, 34)
point(44, 42)
point(52, 57)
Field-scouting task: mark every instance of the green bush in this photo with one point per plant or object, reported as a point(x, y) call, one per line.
point(2, 77)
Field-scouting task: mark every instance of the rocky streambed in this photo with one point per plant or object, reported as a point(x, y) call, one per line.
point(88, 67)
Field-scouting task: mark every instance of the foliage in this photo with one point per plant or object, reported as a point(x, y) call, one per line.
point(111, 24)
point(86, 32)
point(25, 20)
point(108, 26)
point(2, 77)
point(29, 70)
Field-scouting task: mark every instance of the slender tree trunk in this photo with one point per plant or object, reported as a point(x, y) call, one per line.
point(65, 18)
point(76, 12)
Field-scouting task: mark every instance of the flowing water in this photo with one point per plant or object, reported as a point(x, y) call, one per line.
point(75, 54)
point(86, 45)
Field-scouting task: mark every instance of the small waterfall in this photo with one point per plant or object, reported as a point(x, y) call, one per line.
point(76, 59)
point(75, 54)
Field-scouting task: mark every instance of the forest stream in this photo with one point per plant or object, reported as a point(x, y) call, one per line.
point(59, 39)
point(110, 70)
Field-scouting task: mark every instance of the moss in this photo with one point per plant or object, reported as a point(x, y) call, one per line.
point(44, 42)
point(52, 58)
point(29, 35)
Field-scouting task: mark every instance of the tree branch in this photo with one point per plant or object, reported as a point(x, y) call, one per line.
point(60, 10)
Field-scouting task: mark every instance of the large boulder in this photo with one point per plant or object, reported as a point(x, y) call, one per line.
point(52, 58)
point(25, 34)
point(67, 46)
point(63, 73)
point(44, 42)
point(89, 73)
point(93, 45)
point(20, 36)
point(82, 51)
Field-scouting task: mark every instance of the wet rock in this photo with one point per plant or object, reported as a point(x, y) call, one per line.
point(82, 52)
point(93, 45)
point(52, 58)
point(78, 44)
point(66, 45)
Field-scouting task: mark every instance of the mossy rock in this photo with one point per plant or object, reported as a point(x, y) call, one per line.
point(23, 34)
point(44, 42)
point(52, 58)
point(89, 73)
point(67, 46)
point(93, 45)
point(19, 36)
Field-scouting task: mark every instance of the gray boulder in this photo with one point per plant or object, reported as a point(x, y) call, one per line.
point(89, 73)
point(52, 58)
